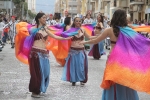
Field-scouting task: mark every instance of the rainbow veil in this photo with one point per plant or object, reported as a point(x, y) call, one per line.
point(24, 40)
point(61, 48)
point(25, 37)
point(128, 64)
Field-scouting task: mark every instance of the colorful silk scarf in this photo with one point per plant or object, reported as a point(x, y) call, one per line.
point(128, 63)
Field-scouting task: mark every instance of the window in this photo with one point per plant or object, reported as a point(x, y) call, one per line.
point(131, 0)
point(115, 3)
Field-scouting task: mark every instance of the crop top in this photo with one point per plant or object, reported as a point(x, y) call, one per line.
point(39, 36)
point(75, 38)
point(113, 42)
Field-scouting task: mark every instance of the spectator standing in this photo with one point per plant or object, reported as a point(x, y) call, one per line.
point(1, 32)
point(63, 18)
point(12, 31)
point(50, 20)
point(88, 19)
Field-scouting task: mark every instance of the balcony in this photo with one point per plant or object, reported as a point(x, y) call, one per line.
point(92, 1)
point(136, 2)
point(74, 11)
point(106, 0)
point(122, 3)
point(70, 3)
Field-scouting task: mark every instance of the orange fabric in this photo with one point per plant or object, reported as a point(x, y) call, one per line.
point(59, 48)
point(117, 70)
point(142, 29)
point(20, 25)
point(22, 34)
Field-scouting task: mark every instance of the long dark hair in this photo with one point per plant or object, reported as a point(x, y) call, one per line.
point(119, 19)
point(67, 22)
point(88, 14)
point(102, 18)
point(39, 15)
point(73, 25)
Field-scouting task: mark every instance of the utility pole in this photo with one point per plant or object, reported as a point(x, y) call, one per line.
point(22, 9)
point(11, 8)
point(27, 16)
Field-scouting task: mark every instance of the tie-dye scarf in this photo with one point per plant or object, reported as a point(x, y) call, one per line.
point(128, 63)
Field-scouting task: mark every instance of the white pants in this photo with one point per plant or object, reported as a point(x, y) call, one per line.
point(12, 36)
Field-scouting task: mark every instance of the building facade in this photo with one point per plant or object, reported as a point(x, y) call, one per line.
point(57, 6)
point(72, 6)
point(31, 5)
point(138, 9)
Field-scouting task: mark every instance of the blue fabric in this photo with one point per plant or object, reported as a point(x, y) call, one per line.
point(5, 37)
point(45, 71)
point(77, 66)
point(119, 92)
point(101, 47)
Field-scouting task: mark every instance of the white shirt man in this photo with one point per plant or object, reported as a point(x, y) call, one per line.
point(1, 28)
point(63, 18)
point(50, 21)
point(12, 31)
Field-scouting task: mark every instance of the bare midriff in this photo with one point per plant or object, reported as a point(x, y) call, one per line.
point(76, 43)
point(39, 44)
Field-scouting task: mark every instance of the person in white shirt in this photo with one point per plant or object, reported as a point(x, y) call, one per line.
point(88, 19)
point(63, 18)
point(50, 20)
point(1, 32)
point(105, 21)
point(12, 30)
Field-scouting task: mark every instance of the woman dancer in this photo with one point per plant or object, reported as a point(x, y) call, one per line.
point(115, 91)
point(76, 66)
point(38, 58)
point(67, 23)
point(97, 48)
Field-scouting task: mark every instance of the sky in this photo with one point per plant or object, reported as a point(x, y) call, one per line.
point(47, 6)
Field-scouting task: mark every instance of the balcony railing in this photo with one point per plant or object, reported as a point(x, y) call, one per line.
point(132, 2)
point(136, 2)
point(72, 3)
point(106, 0)
point(73, 11)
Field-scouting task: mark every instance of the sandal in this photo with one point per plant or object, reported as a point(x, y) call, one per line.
point(73, 83)
point(36, 95)
point(82, 84)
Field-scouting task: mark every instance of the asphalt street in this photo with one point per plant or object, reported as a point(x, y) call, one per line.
point(14, 80)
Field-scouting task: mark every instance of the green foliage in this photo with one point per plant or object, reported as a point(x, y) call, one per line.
point(32, 15)
point(19, 4)
point(25, 8)
point(18, 1)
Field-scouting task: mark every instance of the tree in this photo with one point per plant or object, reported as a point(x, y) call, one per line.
point(18, 11)
point(18, 4)
point(32, 15)
point(18, 1)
